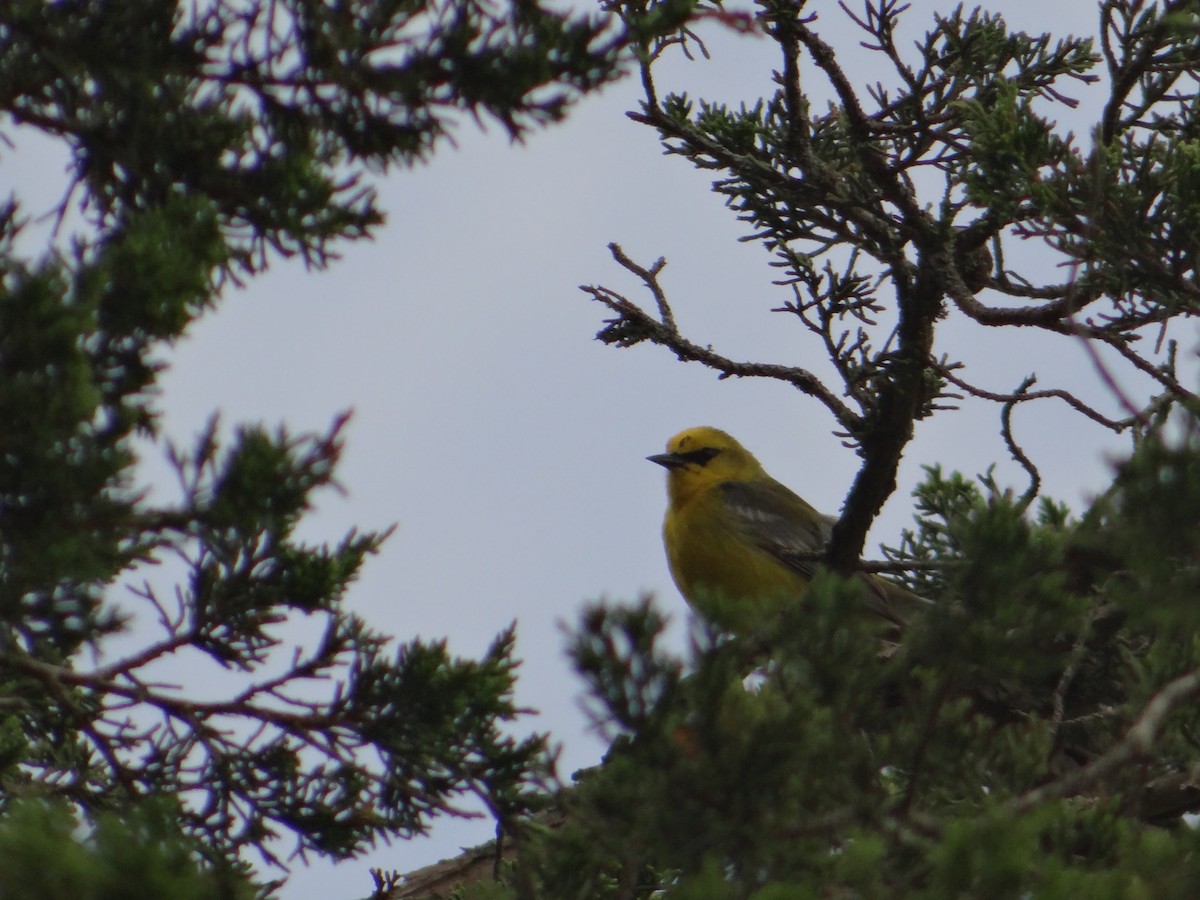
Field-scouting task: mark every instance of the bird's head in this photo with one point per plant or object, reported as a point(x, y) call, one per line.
point(701, 457)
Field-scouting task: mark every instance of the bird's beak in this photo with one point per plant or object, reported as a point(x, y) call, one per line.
point(668, 460)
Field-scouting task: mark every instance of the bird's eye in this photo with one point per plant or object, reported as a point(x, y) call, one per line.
point(700, 457)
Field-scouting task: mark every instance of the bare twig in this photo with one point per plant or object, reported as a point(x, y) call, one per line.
point(634, 325)
point(1015, 450)
point(1067, 397)
point(1137, 744)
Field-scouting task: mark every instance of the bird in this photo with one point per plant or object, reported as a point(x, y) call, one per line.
point(740, 545)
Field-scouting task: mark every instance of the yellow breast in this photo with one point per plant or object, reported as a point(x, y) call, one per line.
point(724, 576)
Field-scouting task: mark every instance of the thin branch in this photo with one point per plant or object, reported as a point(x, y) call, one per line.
point(861, 127)
point(634, 325)
point(1078, 651)
point(1166, 379)
point(1014, 449)
point(1137, 744)
point(1118, 425)
point(1051, 315)
point(650, 280)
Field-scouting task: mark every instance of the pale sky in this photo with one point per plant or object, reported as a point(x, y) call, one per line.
point(509, 445)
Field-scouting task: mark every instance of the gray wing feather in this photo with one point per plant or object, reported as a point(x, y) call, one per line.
point(771, 524)
point(763, 515)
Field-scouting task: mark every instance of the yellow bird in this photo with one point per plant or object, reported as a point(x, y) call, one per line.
point(740, 545)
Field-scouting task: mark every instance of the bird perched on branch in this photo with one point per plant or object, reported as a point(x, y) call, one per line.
point(740, 545)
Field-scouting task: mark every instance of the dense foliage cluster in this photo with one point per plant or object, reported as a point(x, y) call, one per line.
point(205, 140)
point(1033, 734)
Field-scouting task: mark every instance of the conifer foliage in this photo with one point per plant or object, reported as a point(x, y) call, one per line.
point(1034, 734)
point(206, 140)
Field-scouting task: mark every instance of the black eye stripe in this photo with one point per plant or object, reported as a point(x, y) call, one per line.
point(700, 457)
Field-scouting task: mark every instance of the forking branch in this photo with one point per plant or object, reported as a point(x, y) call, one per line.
point(906, 205)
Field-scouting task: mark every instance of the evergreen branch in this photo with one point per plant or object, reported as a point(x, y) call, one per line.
point(947, 372)
point(861, 127)
point(1137, 744)
point(633, 325)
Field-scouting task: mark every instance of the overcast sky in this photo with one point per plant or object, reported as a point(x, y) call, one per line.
point(509, 445)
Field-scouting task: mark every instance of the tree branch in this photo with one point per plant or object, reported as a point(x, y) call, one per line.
point(634, 325)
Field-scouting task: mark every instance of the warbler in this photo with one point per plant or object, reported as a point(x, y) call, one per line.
point(742, 546)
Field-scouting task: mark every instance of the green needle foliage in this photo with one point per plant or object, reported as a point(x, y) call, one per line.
point(206, 140)
point(1035, 733)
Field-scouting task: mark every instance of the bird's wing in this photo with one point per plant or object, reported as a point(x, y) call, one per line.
point(779, 523)
point(783, 525)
